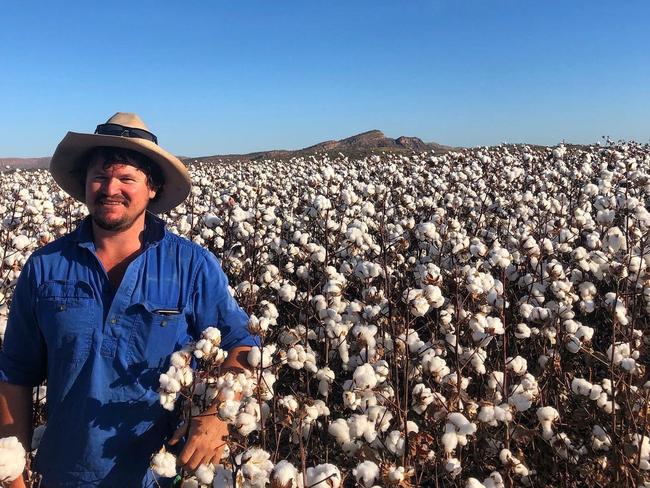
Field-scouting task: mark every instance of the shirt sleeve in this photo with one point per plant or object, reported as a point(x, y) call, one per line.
point(214, 306)
point(23, 355)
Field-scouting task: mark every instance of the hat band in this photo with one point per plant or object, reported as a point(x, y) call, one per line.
point(123, 131)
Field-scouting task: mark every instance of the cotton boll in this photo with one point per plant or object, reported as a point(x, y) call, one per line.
point(515, 464)
point(473, 483)
point(204, 474)
point(365, 377)
point(600, 441)
point(340, 430)
point(365, 473)
point(457, 429)
point(546, 417)
point(396, 474)
point(517, 365)
point(163, 464)
point(323, 476)
point(581, 386)
point(287, 292)
point(394, 442)
point(522, 331)
point(262, 358)
point(20, 242)
point(12, 459)
point(325, 376)
point(285, 475)
point(255, 467)
point(453, 467)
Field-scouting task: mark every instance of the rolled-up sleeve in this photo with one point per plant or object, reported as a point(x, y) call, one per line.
point(23, 355)
point(214, 306)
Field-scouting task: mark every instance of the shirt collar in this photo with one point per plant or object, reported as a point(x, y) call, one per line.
point(154, 231)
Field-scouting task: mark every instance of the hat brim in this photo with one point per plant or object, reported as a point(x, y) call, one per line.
point(73, 150)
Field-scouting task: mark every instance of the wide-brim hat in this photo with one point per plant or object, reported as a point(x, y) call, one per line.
point(126, 131)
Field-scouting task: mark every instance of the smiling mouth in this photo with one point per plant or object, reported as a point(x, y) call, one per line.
point(111, 203)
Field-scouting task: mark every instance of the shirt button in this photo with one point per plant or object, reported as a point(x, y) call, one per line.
point(163, 323)
point(61, 307)
point(113, 320)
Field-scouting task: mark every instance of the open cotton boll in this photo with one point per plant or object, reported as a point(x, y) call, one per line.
point(600, 440)
point(457, 429)
point(473, 483)
point(223, 477)
point(255, 467)
point(365, 377)
point(287, 292)
point(422, 398)
point(434, 365)
point(20, 242)
point(396, 474)
point(394, 442)
point(163, 464)
point(12, 459)
point(340, 430)
point(365, 473)
point(285, 475)
point(515, 464)
point(180, 359)
point(323, 476)
point(581, 386)
point(517, 365)
point(546, 417)
point(262, 358)
point(453, 467)
point(204, 473)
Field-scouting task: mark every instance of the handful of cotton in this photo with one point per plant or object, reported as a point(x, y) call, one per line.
point(12, 459)
point(163, 464)
point(207, 348)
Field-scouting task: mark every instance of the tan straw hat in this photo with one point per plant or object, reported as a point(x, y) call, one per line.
point(127, 131)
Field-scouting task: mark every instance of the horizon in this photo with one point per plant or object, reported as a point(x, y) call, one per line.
point(250, 77)
point(514, 143)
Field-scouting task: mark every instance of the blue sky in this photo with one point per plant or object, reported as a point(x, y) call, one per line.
point(216, 77)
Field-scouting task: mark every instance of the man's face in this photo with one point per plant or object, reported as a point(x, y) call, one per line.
point(116, 194)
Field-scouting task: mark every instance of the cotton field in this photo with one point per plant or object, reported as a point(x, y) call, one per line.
point(473, 319)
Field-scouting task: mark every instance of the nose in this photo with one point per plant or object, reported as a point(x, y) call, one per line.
point(111, 186)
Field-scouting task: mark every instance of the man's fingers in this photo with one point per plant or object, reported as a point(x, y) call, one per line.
point(185, 455)
point(178, 434)
point(216, 459)
point(194, 461)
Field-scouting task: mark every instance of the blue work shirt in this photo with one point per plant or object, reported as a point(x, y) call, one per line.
point(102, 350)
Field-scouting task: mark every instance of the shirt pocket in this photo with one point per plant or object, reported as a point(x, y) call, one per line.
point(66, 312)
point(157, 332)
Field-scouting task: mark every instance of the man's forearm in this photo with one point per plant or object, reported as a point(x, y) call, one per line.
point(16, 412)
point(16, 417)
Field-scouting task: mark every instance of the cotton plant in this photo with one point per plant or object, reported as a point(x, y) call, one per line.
point(397, 289)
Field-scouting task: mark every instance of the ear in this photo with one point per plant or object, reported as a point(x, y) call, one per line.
point(153, 192)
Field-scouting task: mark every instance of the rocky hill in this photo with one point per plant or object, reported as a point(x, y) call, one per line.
point(362, 144)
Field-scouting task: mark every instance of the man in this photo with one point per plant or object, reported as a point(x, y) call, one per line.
point(98, 312)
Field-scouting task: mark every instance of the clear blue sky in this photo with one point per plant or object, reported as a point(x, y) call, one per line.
point(215, 77)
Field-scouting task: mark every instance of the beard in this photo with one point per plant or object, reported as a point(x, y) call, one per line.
point(114, 224)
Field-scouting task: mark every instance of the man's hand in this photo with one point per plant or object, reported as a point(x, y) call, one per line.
point(207, 433)
point(18, 482)
point(206, 440)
